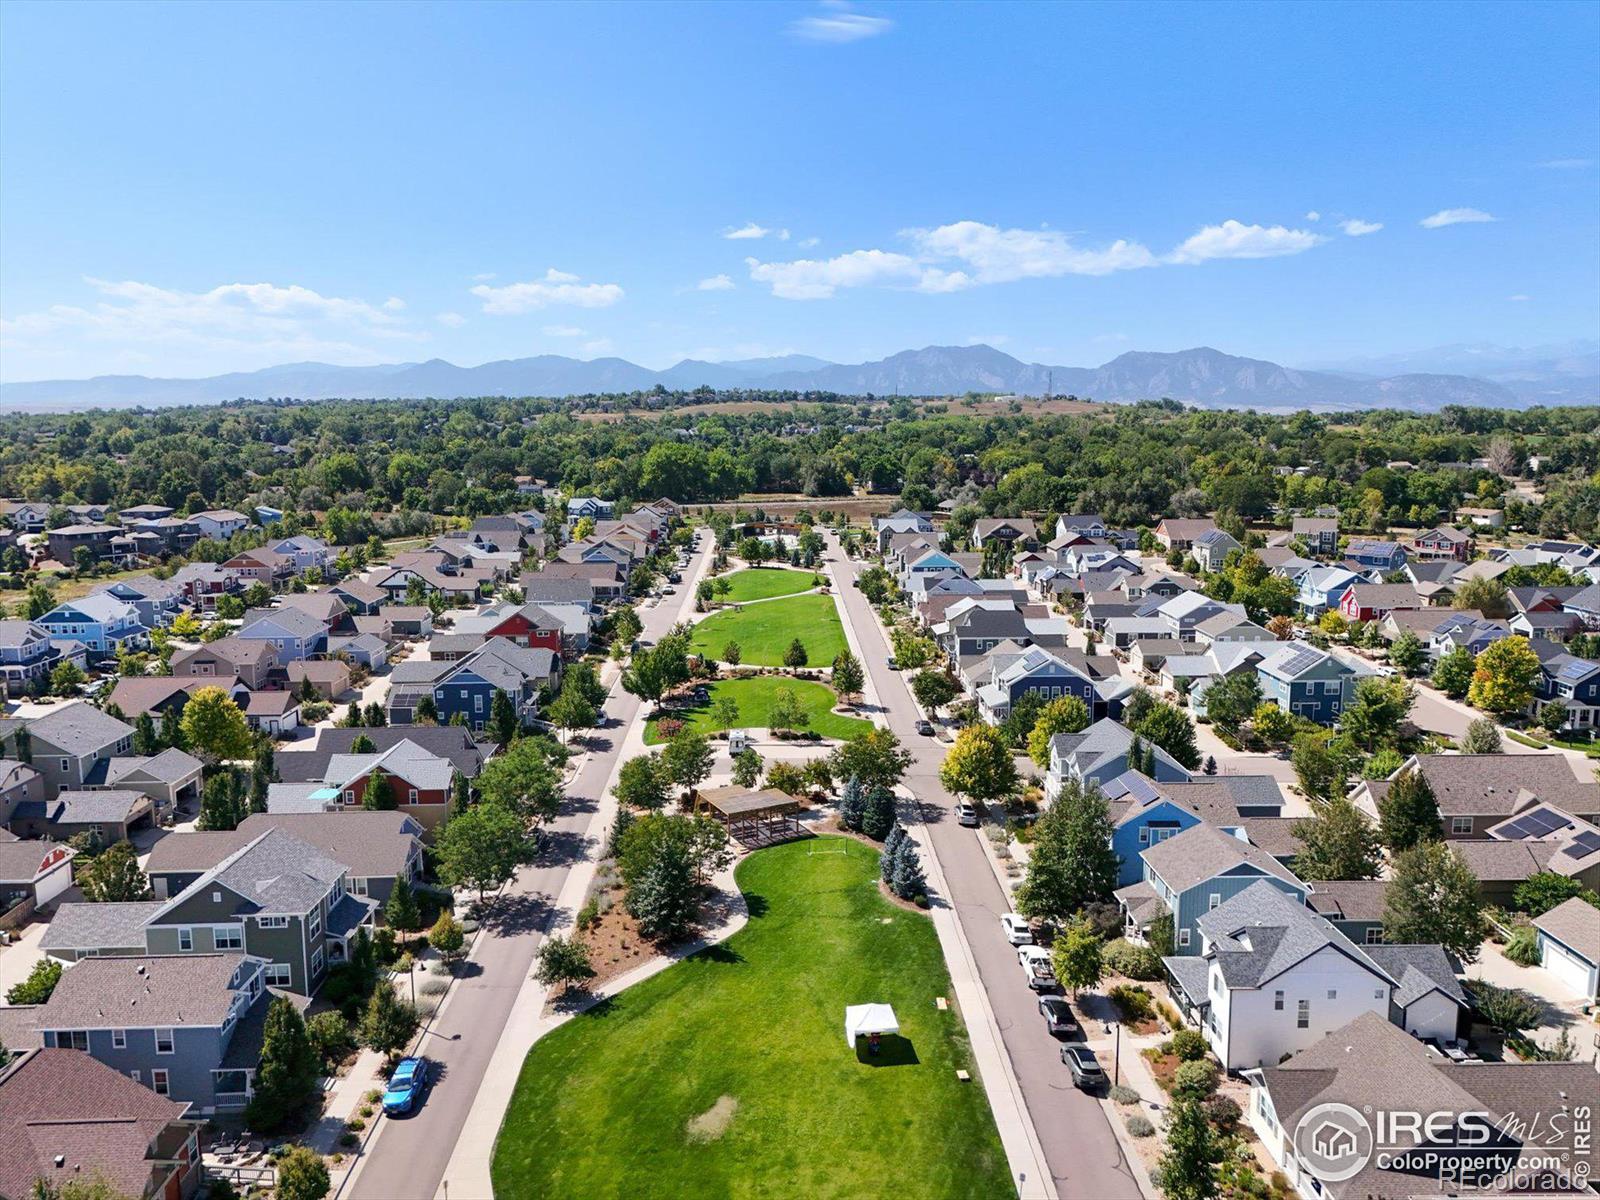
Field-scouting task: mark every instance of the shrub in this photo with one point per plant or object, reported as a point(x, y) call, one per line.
point(1522, 947)
point(355, 1124)
point(1136, 962)
point(1194, 1080)
point(1123, 1094)
point(349, 1139)
point(668, 728)
point(1139, 1125)
point(330, 1036)
point(1188, 1044)
point(589, 913)
point(434, 987)
point(1222, 1111)
point(1133, 1003)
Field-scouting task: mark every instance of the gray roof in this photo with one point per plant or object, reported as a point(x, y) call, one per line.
point(14, 633)
point(1100, 742)
point(1418, 971)
point(108, 807)
point(347, 913)
point(445, 741)
point(170, 766)
point(1193, 974)
point(290, 620)
point(369, 844)
point(276, 873)
point(1350, 899)
point(1203, 852)
point(168, 990)
point(1501, 784)
point(79, 729)
point(1575, 923)
point(1142, 903)
point(99, 926)
point(244, 1047)
point(406, 760)
point(1262, 932)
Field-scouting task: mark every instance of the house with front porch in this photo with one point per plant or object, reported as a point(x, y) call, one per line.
point(157, 601)
point(1375, 601)
point(1307, 682)
point(1444, 541)
point(1036, 671)
point(106, 625)
point(1572, 682)
point(1211, 549)
point(1320, 534)
point(27, 655)
point(1322, 588)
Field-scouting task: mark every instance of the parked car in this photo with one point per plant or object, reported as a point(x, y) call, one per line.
point(1016, 929)
point(892, 665)
point(966, 814)
point(1058, 1018)
point(925, 728)
point(1087, 1075)
point(405, 1086)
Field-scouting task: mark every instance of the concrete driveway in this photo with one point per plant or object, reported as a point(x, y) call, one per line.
point(1562, 1009)
point(19, 958)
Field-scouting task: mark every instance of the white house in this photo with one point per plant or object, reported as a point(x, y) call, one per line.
point(219, 524)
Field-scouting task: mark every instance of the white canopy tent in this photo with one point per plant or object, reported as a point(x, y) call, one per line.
point(863, 1020)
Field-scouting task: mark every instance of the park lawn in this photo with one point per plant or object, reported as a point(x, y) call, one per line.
point(754, 696)
point(755, 1026)
point(762, 583)
point(765, 630)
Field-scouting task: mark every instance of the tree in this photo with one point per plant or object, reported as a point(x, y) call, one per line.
point(526, 779)
point(145, 741)
point(688, 758)
point(1553, 716)
point(933, 689)
point(483, 847)
point(852, 804)
point(1408, 813)
point(979, 765)
point(848, 677)
point(795, 655)
point(426, 712)
point(886, 856)
point(286, 1080)
point(1231, 700)
point(1068, 714)
point(644, 782)
point(1488, 596)
point(1169, 727)
point(1407, 654)
point(1510, 1010)
point(1188, 1167)
point(379, 793)
point(878, 815)
point(732, 653)
point(1321, 763)
point(1504, 677)
point(114, 877)
point(363, 745)
point(214, 727)
point(1374, 715)
point(387, 1025)
point(67, 678)
point(875, 758)
point(571, 709)
point(221, 806)
point(1075, 957)
point(1271, 723)
point(1020, 719)
point(906, 879)
point(401, 911)
point(786, 711)
point(1433, 898)
point(1452, 674)
point(725, 712)
point(1071, 862)
point(302, 1175)
point(1543, 890)
point(661, 896)
point(447, 936)
point(747, 768)
point(504, 725)
point(36, 988)
point(460, 795)
point(563, 961)
point(1482, 737)
point(1337, 842)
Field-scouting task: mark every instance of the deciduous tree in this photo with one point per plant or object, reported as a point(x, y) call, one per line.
point(1433, 898)
point(1071, 862)
point(979, 765)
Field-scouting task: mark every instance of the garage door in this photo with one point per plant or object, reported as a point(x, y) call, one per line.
point(1571, 970)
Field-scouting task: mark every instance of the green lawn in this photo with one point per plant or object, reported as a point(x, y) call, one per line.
point(748, 1037)
point(759, 583)
point(765, 630)
point(754, 697)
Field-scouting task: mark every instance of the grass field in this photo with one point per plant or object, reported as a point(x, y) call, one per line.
point(760, 583)
point(764, 631)
point(754, 697)
point(727, 1075)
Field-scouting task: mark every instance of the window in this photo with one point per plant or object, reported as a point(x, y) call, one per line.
point(411, 796)
point(119, 1039)
point(477, 704)
point(216, 897)
point(164, 1043)
point(1302, 1019)
point(66, 764)
point(349, 796)
point(185, 939)
point(315, 921)
point(316, 961)
point(1375, 935)
point(273, 922)
point(1460, 824)
point(1214, 900)
point(134, 1075)
point(1144, 836)
point(358, 887)
point(72, 1039)
point(158, 1082)
point(1333, 993)
point(279, 975)
point(1377, 993)
point(1183, 937)
point(1277, 1001)
point(230, 937)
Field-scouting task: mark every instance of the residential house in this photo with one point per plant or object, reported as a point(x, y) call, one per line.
point(1585, 605)
point(545, 588)
point(588, 506)
point(1212, 547)
point(1048, 675)
point(1465, 630)
point(1195, 871)
point(106, 625)
point(329, 677)
point(324, 606)
point(164, 696)
point(251, 662)
point(1572, 682)
point(419, 780)
point(171, 779)
point(1375, 601)
point(608, 581)
point(451, 742)
point(1320, 534)
point(27, 655)
point(305, 552)
point(1482, 518)
point(359, 596)
point(275, 713)
point(1476, 792)
point(1086, 524)
point(1322, 588)
point(219, 524)
point(110, 815)
point(1444, 541)
point(162, 536)
point(33, 874)
point(157, 601)
point(205, 583)
point(1355, 907)
point(66, 1118)
point(1180, 533)
point(1099, 754)
point(19, 782)
point(1569, 946)
point(1307, 682)
point(266, 567)
point(69, 539)
point(1012, 531)
point(529, 626)
point(467, 687)
point(408, 620)
point(1544, 624)
point(1193, 674)
point(293, 635)
point(364, 649)
point(26, 516)
point(1380, 555)
point(71, 741)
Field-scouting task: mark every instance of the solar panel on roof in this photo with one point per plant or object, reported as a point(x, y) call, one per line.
point(1300, 660)
point(1584, 844)
point(1576, 670)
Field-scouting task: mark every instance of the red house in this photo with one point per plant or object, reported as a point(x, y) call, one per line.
point(1443, 542)
point(530, 626)
point(420, 782)
point(1375, 601)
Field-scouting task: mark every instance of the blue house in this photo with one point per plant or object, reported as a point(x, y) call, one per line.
point(1145, 813)
point(157, 601)
point(295, 635)
point(100, 621)
point(466, 687)
point(26, 654)
point(1385, 556)
point(1033, 669)
point(1573, 682)
point(1322, 587)
point(1099, 754)
point(930, 562)
point(1307, 682)
point(1197, 870)
point(1142, 817)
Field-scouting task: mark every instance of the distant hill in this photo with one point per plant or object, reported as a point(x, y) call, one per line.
point(1200, 376)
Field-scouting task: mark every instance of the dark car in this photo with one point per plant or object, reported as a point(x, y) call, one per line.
point(1058, 1018)
point(1085, 1067)
point(925, 728)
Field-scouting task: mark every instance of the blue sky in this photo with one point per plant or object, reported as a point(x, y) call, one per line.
point(189, 189)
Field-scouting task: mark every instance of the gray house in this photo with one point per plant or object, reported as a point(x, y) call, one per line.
point(72, 741)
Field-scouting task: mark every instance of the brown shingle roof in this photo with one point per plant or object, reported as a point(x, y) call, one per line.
point(1575, 923)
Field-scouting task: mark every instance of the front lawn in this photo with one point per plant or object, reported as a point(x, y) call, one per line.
point(760, 583)
point(754, 697)
point(727, 1075)
point(765, 630)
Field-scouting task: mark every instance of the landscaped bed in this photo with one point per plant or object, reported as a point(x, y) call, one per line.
point(754, 695)
point(759, 583)
point(764, 631)
point(727, 1075)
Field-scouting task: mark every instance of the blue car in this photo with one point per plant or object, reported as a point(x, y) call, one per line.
point(405, 1086)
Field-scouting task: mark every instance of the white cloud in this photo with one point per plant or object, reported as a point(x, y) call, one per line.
point(994, 255)
point(564, 331)
point(748, 232)
point(1313, 215)
point(1358, 228)
point(717, 283)
point(1232, 239)
point(1567, 164)
point(1455, 216)
point(451, 320)
point(1519, 298)
point(394, 304)
point(808, 279)
point(839, 25)
point(557, 287)
point(807, 243)
point(599, 346)
point(484, 277)
point(233, 326)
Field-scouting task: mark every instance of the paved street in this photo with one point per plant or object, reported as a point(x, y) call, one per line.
point(1084, 1156)
point(406, 1158)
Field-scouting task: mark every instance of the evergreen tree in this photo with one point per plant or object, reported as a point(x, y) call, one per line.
point(460, 795)
point(363, 745)
point(145, 741)
point(1071, 862)
point(1482, 737)
point(908, 882)
point(114, 877)
point(24, 742)
point(379, 793)
point(1408, 814)
point(374, 716)
point(852, 804)
point(503, 723)
point(426, 712)
point(220, 806)
point(878, 818)
point(401, 910)
point(287, 1077)
point(662, 896)
point(886, 859)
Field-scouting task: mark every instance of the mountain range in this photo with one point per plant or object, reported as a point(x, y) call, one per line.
point(1200, 376)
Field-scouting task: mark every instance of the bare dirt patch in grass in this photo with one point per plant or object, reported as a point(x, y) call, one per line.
point(714, 1122)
